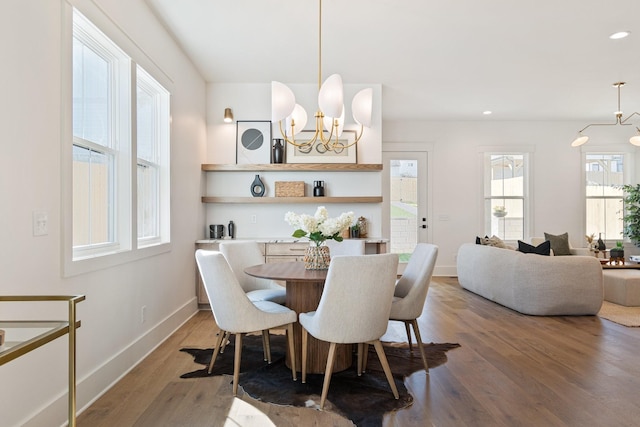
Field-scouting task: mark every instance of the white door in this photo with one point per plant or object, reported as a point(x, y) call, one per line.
point(405, 214)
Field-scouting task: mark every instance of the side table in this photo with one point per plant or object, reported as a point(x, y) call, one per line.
point(23, 336)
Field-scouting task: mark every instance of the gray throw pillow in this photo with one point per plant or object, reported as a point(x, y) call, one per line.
point(559, 244)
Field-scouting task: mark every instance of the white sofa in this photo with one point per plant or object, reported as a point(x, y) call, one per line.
point(532, 284)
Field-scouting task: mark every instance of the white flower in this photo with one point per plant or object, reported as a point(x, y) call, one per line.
point(319, 227)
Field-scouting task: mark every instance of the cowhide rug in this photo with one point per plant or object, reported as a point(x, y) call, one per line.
point(364, 400)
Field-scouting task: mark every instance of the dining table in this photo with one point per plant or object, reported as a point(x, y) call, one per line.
point(304, 290)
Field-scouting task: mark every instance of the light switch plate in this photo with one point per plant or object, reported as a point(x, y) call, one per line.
point(40, 223)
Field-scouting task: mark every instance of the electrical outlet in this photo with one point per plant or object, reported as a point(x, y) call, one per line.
point(254, 219)
point(143, 314)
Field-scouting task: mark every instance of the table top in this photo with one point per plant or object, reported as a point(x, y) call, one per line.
point(286, 271)
point(627, 266)
point(23, 336)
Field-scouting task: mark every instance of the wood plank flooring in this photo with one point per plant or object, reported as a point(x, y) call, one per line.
point(511, 370)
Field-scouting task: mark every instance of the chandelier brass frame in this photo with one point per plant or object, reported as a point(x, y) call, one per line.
point(330, 113)
point(635, 140)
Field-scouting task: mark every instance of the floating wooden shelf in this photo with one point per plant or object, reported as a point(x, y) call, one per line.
point(293, 167)
point(266, 200)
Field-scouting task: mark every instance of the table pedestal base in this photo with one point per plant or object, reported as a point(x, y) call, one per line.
point(303, 297)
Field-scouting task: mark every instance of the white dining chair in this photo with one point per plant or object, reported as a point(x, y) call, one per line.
point(346, 247)
point(354, 309)
point(411, 290)
point(243, 254)
point(234, 313)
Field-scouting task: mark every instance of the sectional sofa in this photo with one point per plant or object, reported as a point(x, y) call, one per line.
point(532, 284)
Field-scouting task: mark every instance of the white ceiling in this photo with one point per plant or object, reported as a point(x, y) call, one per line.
point(435, 60)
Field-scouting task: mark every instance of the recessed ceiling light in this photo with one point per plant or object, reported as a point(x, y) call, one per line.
point(619, 35)
point(486, 113)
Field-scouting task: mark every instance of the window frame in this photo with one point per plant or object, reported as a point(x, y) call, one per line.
point(128, 248)
point(628, 153)
point(485, 154)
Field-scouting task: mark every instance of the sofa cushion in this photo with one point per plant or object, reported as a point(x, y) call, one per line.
point(543, 248)
point(559, 244)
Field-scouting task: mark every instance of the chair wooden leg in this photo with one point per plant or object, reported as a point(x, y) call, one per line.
point(305, 340)
point(292, 351)
point(360, 356)
point(225, 342)
point(266, 345)
point(416, 331)
point(327, 373)
point(385, 365)
point(365, 356)
point(406, 327)
point(216, 350)
point(236, 363)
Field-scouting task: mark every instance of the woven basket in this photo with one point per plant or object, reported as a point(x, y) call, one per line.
point(289, 188)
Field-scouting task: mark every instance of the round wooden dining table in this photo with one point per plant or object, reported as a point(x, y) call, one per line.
point(304, 289)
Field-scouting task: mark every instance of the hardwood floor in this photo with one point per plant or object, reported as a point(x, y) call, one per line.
point(511, 370)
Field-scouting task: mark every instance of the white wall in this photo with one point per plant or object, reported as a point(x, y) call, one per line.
point(556, 172)
point(112, 338)
point(253, 102)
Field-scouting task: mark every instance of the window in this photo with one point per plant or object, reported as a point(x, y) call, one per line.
point(604, 174)
point(152, 149)
point(106, 195)
point(505, 181)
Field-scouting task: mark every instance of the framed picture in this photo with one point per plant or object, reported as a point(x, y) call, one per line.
point(253, 142)
point(318, 153)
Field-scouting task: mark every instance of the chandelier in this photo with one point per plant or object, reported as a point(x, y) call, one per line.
point(635, 140)
point(329, 119)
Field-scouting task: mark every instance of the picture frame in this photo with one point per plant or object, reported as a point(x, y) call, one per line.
point(253, 141)
point(317, 153)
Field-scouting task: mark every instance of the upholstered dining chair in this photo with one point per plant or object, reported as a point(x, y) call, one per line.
point(353, 309)
point(234, 313)
point(243, 254)
point(411, 292)
point(346, 247)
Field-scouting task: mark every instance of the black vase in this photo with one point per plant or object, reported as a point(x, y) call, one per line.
point(277, 151)
point(601, 245)
point(257, 187)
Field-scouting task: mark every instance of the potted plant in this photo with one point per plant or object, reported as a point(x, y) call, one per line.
point(631, 215)
point(319, 228)
point(617, 252)
point(499, 211)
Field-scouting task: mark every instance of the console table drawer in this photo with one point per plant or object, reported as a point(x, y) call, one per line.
point(286, 249)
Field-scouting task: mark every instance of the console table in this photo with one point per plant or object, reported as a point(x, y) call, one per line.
point(23, 336)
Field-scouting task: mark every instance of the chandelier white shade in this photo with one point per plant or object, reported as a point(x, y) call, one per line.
point(362, 106)
point(635, 140)
point(283, 101)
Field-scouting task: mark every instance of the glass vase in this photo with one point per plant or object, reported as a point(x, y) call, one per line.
point(317, 258)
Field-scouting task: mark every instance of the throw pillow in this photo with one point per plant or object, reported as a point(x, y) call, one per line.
point(494, 241)
point(559, 244)
point(543, 248)
point(479, 240)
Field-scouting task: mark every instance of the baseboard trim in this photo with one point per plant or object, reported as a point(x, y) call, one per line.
point(93, 385)
point(445, 270)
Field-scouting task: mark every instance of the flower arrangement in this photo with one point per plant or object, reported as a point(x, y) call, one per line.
point(319, 227)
